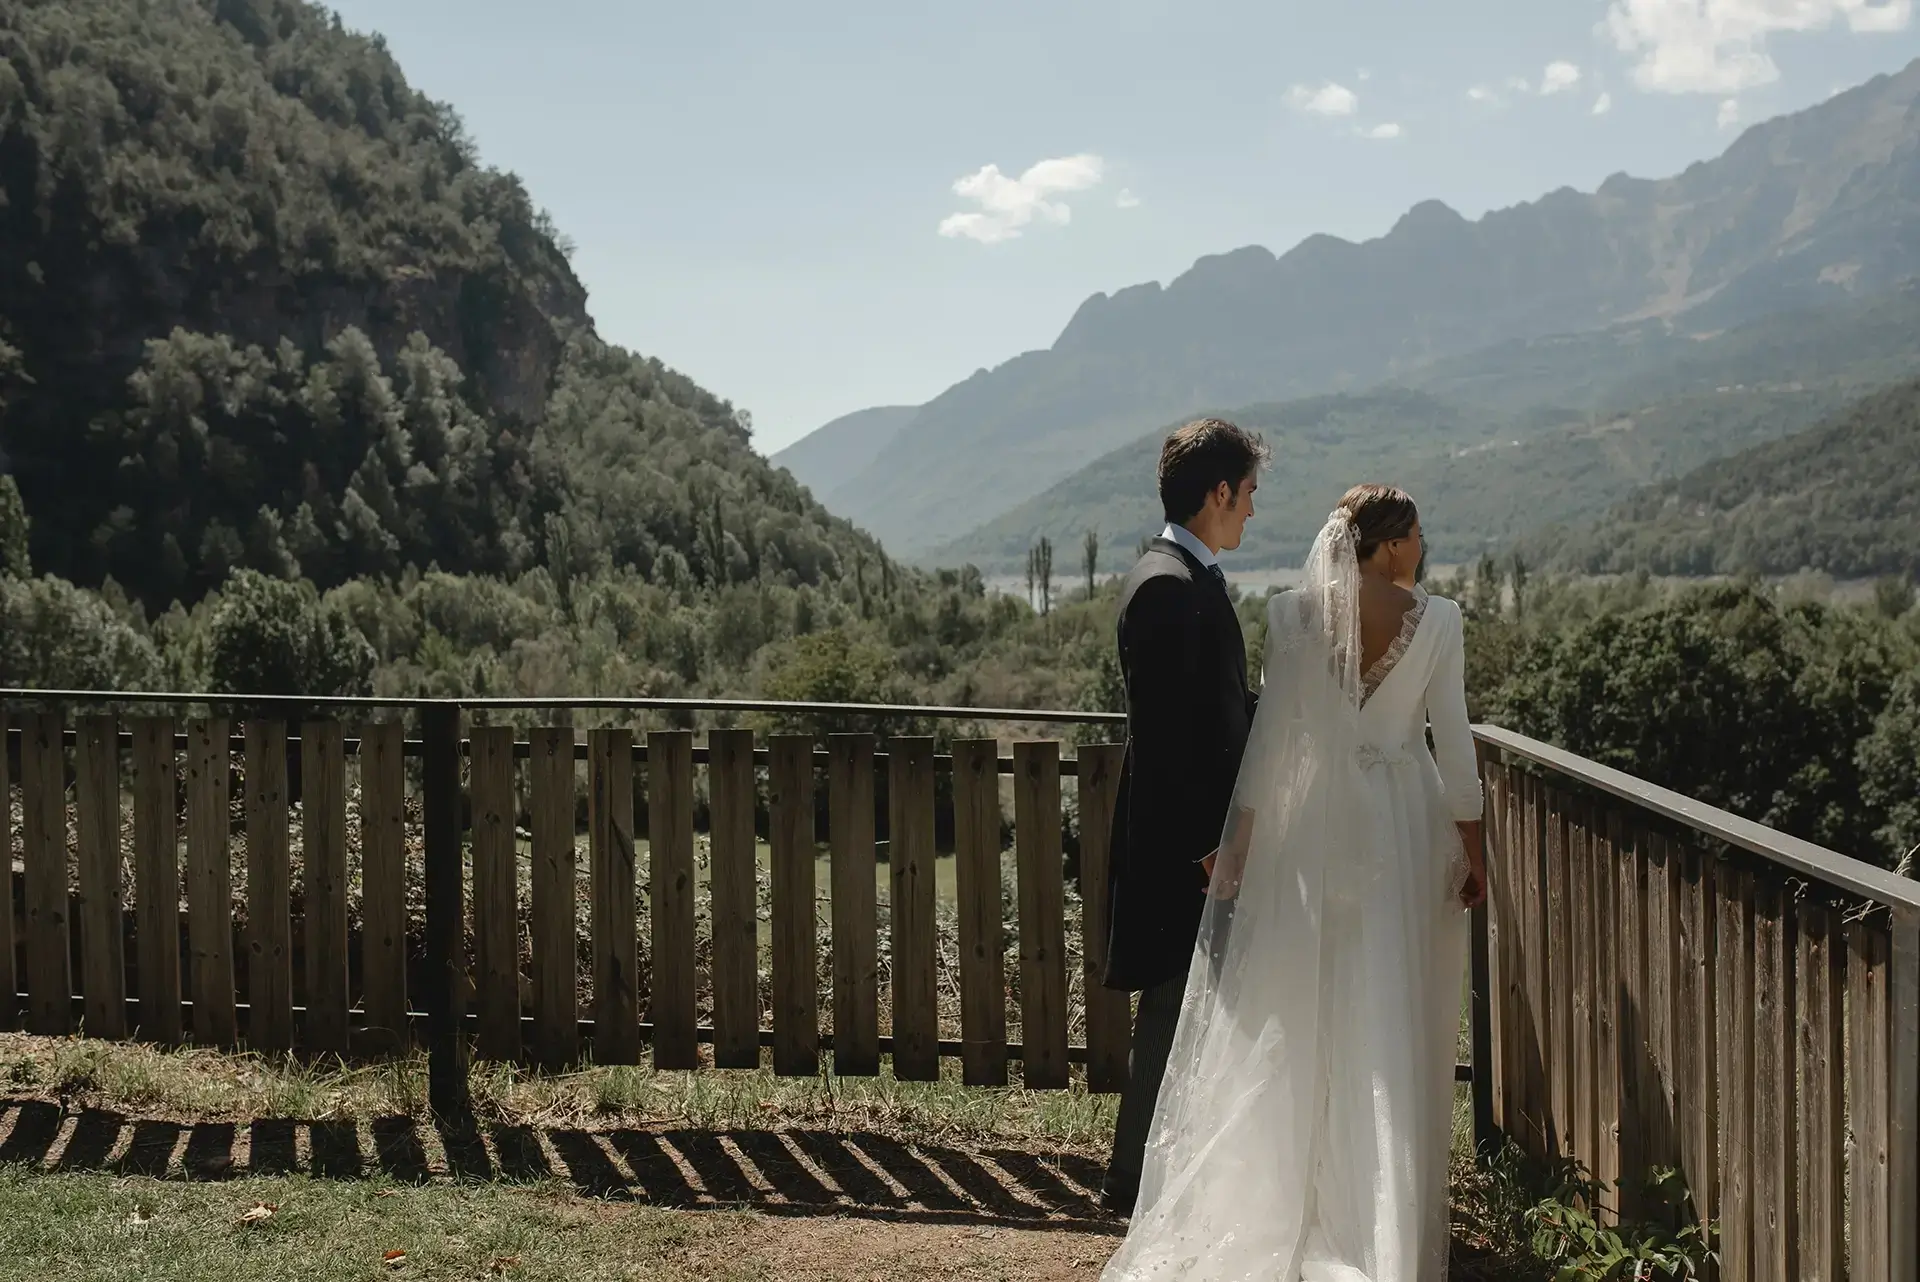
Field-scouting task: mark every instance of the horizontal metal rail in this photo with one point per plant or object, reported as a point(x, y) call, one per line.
point(765, 706)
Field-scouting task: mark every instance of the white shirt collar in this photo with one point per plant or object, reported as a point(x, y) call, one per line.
point(1185, 538)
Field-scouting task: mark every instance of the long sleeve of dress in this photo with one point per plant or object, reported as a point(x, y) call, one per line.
point(1447, 714)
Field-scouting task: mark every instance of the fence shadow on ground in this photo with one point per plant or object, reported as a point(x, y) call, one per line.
point(794, 1172)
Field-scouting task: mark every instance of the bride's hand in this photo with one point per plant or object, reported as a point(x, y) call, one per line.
point(1474, 892)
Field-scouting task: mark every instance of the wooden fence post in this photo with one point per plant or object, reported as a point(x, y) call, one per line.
point(910, 886)
point(616, 1010)
point(9, 982)
point(43, 807)
point(323, 827)
point(1042, 909)
point(1108, 1033)
point(445, 961)
point(856, 965)
point(383, 882)
point(156, 879)
point(734, 889)
point(670, 935)
point(97, 819)
point(269, 889)
point(976, 837)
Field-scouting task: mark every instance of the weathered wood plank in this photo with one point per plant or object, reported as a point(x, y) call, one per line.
point(1108, 1031)
point(9, 981)
point(496, 900)
point(1490, 779)
point(670, 872)
point(323, 828)
point(976, 836)
point(856, 963)
point(796, 993)
point(102, 930)
point(1042, 908)
point(616, 998)
point(1538, 1137)
point(910, 903)
point(1903, 1085)
point(1661, 938)
point(1776, 1246)
point(210, 883)
point(1637, 1090)
point(1608, 1059)
point(1820, 1059)
point(1560, 956)
point(556, 950)
point(269, 939)
point(1870, 1257)
point(1697, 1078)
point(1585, 1133)
point(383, 883)
point(1733, 965)
point(156, 879)
point(43, 809)
point(735, 904)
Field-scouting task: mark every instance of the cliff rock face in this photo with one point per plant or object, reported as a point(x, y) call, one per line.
point(1801, 211)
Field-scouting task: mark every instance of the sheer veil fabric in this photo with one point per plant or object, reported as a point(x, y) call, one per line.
point(1304, 1125)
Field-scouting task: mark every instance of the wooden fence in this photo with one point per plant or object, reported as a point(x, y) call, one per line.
point(1656, 983)
point(1673, 986)
point(276, 977)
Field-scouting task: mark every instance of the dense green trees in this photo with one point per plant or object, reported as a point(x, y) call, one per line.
point(1792, 713)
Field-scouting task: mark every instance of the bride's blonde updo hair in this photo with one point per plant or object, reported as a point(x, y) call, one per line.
point(1379, 514)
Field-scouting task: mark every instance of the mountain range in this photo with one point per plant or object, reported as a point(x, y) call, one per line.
point(1501, 444)
point(1799, 213)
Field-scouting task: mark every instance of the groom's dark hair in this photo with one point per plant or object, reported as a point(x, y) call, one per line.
point(1198, 458)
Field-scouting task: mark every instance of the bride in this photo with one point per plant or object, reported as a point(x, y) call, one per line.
point(1303, 1130)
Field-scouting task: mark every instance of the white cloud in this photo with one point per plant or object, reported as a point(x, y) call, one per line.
point(1126, 200)
point(1519, 84)
point(1008, 204)
point(1558, 77)
point(1603, 104)
point(1363, 75)
point(1328, 100)
point(1719, 46)
point(1481, 93)
point(1383, 132)
point(1729, 114)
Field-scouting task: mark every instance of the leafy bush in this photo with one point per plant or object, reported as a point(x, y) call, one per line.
point(54, 636)
point(1567, 1232)
point(269, 636)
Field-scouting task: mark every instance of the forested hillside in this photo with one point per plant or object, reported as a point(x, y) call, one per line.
point(287, 367)
point(1842, 498)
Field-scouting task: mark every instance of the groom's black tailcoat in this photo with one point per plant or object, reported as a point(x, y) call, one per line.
point(1184, 662)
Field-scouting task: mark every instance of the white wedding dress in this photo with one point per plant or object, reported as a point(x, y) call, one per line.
point(1303, 1130)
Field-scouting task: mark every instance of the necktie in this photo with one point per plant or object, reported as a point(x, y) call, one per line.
point(1219, 574)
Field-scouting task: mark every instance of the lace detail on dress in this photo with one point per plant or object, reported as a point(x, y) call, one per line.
point(1382, 667)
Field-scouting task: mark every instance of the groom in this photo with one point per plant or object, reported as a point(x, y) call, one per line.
point(1184, 663)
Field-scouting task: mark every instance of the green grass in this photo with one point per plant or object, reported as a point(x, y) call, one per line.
point(63, 1228)
point(75, 1208)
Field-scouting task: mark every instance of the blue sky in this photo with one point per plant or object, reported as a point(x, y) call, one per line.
point(764, 194)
